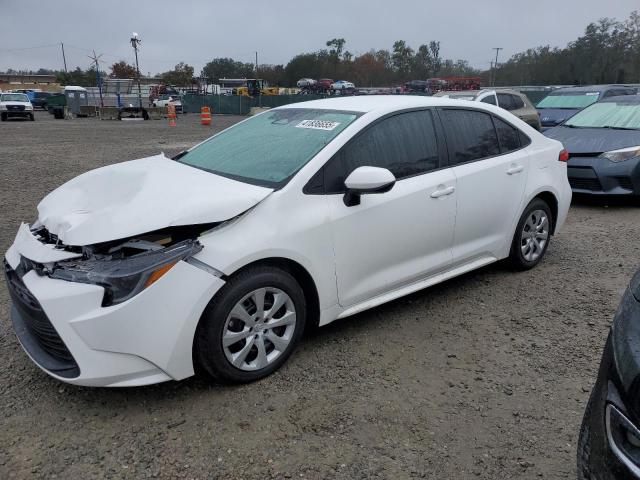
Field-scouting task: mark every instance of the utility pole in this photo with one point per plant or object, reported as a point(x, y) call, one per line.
point(96, 59)
point(135, 41)
point(495, 65)
point(256, 65)
point(64, 59)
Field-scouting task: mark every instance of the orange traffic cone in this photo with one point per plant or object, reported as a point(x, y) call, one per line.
point(171, 114)
point(205, 116)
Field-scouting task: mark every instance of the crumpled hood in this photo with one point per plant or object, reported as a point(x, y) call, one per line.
point(140, 196)
point(593, 140)
point(550, 117)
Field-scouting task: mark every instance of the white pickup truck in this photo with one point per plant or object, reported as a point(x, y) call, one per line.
point(15, 105)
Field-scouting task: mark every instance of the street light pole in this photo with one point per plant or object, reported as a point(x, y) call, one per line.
point(135, 41)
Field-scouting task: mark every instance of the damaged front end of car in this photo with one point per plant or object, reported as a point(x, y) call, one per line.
point(124, 268)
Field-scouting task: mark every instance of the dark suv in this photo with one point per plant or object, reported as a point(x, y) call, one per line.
point(39, 99)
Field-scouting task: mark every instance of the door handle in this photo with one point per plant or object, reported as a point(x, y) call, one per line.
point(515, 169)
point(443, 192)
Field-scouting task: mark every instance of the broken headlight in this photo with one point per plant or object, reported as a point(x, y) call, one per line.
point(123, 277)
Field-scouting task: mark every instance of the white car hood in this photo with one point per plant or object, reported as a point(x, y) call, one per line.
point(140, 196)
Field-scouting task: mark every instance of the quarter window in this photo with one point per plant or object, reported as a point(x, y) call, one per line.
point(506, 101)
point(491, 99)
point(508, 136)
point(471, 134)
point(517, 102)
point(405, 144)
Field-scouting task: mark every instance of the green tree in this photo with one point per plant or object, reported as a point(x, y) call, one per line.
point(122, 69)
point(181, 75)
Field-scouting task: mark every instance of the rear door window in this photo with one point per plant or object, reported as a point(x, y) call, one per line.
point(517, 102)
point(406, 144)
point(470, 135)
point(506, 101)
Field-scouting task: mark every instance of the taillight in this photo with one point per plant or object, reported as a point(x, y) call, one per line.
point(564, 156)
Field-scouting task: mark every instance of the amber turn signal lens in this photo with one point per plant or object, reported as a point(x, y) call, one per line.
point(158, 273)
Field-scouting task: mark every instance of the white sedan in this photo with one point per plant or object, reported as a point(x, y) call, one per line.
point(342, 85)
point(141, 271)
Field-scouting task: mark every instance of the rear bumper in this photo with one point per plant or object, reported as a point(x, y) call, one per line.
point(599, 176)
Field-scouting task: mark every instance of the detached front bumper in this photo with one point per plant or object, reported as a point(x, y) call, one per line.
point(147, 339)
point(599, 176)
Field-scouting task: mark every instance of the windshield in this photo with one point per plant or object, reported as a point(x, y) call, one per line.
point(608, 114)
point(568, 100)
point(269, 148)
point(13, 97)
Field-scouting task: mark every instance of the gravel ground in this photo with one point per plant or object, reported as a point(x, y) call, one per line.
point(484, 376)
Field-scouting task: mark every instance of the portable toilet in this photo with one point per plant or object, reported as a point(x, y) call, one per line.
point(76, 97)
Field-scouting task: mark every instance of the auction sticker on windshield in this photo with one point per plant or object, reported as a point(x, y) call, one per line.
point(318, 124)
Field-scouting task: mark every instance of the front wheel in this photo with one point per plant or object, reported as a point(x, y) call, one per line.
point(251, 327)
point(3, 117)
point(31, 117)
point(532, 236)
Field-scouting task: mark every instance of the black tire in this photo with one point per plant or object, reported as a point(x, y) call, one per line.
point(32, 117)
point(516, 258)
point(3, 117)
point(584, 444)
point(208, 352)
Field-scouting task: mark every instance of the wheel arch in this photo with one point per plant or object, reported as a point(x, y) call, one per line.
point(300, 274)
point(550, 199)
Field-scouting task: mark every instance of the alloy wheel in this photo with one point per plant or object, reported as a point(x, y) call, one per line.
point(535, 235)
point(259, 328)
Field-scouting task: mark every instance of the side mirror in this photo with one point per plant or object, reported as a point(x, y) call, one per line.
point(367, 180)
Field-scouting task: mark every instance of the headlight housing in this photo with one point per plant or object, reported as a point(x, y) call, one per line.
point(123, 278)
point(622, 154)
point(624, 438)
point(28, 107)
point(3, 107)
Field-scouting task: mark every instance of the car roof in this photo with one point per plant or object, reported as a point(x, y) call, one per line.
point(366, 104)
point(589, 88)
point(630, 99)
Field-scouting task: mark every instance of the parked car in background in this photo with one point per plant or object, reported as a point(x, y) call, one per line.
point(563, 103)
point(15, 105)
point(603, 142)
point(164, 100)
point(342, 85)
point(417, 86)
point(222, 255)
point(306, 82)
point(515, 102)
point(39, 99)
point(609, 441)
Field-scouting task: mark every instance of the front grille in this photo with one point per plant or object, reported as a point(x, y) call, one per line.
point(625, 182)
point(592, 184)
point(15, 108)
point(39, 328)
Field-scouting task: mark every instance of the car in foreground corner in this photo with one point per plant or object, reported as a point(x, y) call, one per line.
point(562, 103)
point(609, 441)
point(15, 105)
point(603, 142)
point(141, 271)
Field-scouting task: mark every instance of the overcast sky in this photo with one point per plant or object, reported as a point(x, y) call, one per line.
point(195, 31)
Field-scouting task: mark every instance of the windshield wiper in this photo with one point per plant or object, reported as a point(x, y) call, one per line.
point(573, 126)
point(619, 128)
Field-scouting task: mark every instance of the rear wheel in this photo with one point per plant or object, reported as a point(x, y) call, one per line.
point(532, 236)
point(251, 326)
